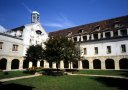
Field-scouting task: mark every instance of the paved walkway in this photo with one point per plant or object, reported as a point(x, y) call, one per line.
point(121, 77)
point(15, 78)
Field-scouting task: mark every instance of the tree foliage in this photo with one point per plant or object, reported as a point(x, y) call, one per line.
point(34, 53)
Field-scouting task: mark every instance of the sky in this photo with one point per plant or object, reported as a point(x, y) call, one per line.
point(60, 14)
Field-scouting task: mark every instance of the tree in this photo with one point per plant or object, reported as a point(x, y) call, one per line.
point(53, 51)
point(34, 53)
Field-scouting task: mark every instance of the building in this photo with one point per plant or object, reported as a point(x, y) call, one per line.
point(14, 43)
point(103, 44)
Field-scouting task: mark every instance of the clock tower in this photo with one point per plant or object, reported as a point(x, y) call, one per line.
point(35, 17)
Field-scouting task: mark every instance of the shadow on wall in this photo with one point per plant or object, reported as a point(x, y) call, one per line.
point(13, 86)
point(121, 84)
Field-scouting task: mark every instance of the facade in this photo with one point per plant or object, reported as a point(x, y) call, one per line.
point(103, 44)
point(14, 43)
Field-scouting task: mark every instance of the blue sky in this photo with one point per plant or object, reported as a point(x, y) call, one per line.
point(60, 14)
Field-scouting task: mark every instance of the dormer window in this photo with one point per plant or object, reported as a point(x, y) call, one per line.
point(81, 31)
point(69, 33)
point(97, 28)
point(38, 32)
point(117, 24)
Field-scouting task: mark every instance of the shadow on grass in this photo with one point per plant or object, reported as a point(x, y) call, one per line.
point(121, 84)
point(13, 86)
point(124, 73)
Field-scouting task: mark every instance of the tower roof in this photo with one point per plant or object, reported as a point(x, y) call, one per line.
point(36, 12)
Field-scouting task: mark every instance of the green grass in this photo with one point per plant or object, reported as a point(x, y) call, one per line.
point(66, 83)
point(12, 74)
point(104, 72)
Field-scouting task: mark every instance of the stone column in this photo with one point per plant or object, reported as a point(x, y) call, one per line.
point(103, 64)
point(119, 33)
point(127, 31)
point(8, 66)
point(117, 65)
point(90, 64)
point(61, 64)
point(99, 35)
point(111, 33)
point(80, 65)
point(53, 65)
point(78, 38)
point(81, 38)
point(38, 63)
point(21, 64)
point(71, 65)
point(92, 37)
point(30, 64)
point(104, 35)
point(46, 64)
point(88, 37)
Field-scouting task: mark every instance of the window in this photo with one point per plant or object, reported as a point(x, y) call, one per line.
point(123, 48)
point(15, 47)
point(97, 28)
point(1, 45)
point(96, 50)
point(81, 31)
point(75, 39)
point(85, 51)
point(108, 49)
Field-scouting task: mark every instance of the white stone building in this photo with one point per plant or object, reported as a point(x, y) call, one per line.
point(14, 43)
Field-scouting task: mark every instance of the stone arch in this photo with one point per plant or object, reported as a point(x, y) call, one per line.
point(85, 64)
point(110, 64)
point(42, 63)
point(123, 63)
point(3, 64)
point(50, 65)
point(66, 64)
point(25, 64)
point(96, 64)
point(58, 65)
point(75, 64)
point(15, 64)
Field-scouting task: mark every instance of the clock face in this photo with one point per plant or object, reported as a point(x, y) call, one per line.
point(38, 32)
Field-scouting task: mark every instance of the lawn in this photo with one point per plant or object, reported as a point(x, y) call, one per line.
point(104, 72)
point(65, 83)
point(10, 74)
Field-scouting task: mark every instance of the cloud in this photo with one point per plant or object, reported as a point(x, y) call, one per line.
point(27, 8)
point(60, 22)
point(2, 29)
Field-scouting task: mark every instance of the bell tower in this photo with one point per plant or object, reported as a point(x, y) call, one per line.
point(35, 17)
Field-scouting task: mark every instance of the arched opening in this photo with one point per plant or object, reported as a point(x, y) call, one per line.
point(123, 63)
point(109, 63)
point(50, 64)
point(3, 64)
point(42, 63)
point(34, 63)
point(75, 64)
point(85, 64)
point(66, 64)
point(25, 64)
point(58, 65)
point(96, 64)
point(15, 64)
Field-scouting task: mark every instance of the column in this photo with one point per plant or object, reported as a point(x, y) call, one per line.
point(111, 33)
point(104, 35)
point(99, 35)
point(71, 65)
point(53, 65)
point(103, 64)
point(88, 37)
point(8, 66)
point(38, 63)
point(78, 38)
point(30, 64)
point(80, 65)
point(21, 64)
point(61, 64)
point(116, 64)
point(46, 64)
point(127, 31)
point(90, 64)
point(92, 37)
point(119, 33)
point(81, 38)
